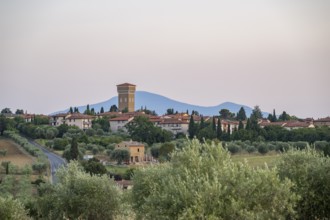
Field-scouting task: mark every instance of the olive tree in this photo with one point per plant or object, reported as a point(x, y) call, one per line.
point(79, 195)
point(201, 182)
point(309, 170)
point(12, 209)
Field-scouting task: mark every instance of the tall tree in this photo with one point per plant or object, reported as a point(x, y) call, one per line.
point(202, 123)
point(241, 115)
point(214, 126)
point(102, 110)
point(284, 116)
point(92, 111)
point(219, 129)
point(74, 152)
point(191, 127)
point(6, 111)
point(224, 113)
point(240, 125)
point(19, 112)
point(248, 124)
point(87, 111)
point(170, 111)
point(71, 110)
point(256, 113)
point(113, 108)
point(274, 116)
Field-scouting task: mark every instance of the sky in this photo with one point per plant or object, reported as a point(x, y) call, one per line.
point(271, 53)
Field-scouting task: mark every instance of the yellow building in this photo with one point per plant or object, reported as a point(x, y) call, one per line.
point(135, 149)
point(126, 97)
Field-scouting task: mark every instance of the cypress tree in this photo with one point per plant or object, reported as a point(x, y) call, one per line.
point(219, 129)
point(102, 110)
point(248, 124)
point(191, 127)
point(240, 125)
point(71, 110)
point(228, 129)
point(74, 152)
point(274, 116)
point(241, 115)
point(202, 124)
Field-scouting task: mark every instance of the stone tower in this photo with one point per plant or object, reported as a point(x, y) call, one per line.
point(126, 97)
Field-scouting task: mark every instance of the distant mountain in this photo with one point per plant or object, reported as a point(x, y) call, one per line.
point(161, 103)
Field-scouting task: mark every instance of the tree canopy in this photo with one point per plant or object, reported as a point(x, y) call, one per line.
point(201, 182)
point(78, 195)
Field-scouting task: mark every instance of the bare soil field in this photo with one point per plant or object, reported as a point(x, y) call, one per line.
point(15, 154)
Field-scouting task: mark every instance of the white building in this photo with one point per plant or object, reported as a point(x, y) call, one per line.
point(119, 123)
point(76, 119)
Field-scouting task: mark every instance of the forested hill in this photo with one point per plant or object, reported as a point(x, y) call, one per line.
point(161, 103)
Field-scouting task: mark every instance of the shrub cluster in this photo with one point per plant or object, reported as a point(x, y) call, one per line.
point(278, 146)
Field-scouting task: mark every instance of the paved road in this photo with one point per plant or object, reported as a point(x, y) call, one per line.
point(54, 160)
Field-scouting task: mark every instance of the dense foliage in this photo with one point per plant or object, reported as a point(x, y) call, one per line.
point(201, 182)
point(78, 195)
point(141, 129)
point(309, 170)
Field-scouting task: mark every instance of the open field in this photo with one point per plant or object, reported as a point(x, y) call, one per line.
point(257, 160)
point(15, 154)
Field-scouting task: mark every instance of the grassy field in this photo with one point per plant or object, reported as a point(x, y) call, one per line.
point(257, 160)
point(15, 154)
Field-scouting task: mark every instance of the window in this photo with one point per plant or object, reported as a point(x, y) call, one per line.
point(121, 100)
point(125, 99)
point(138, 150)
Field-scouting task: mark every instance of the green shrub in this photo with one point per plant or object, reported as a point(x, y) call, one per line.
point(309, 171)
point(250, 149)
point(263, 148)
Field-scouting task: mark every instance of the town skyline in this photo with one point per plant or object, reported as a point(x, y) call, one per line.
point(274, 54)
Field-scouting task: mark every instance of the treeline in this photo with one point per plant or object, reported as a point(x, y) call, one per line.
point(263, 147)
point(200, 182)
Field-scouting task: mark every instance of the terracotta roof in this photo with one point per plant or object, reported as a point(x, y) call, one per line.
point(327, 119)
point(173, 121)
point(297, 124)
point(60, 115)
point(110, 114)
point(121, 118)
point(80, 116)
point(131, 143)
point(278, 123)
point(224, 121)
point(126, 84)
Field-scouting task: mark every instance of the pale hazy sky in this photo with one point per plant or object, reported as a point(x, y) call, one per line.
point(271, 53)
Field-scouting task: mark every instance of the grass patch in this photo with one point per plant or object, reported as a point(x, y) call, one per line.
point(15, 154)
point(118, 169)
point(257, 160)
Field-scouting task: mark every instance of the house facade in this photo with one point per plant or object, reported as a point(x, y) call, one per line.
point(135, 149)
point(322, 122)
point(82, 121)
point(119, 123)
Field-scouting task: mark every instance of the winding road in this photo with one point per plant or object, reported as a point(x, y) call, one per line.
point(54, 160)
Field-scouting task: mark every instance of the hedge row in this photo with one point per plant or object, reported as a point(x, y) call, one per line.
point(264, 147)
point(30, 148)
